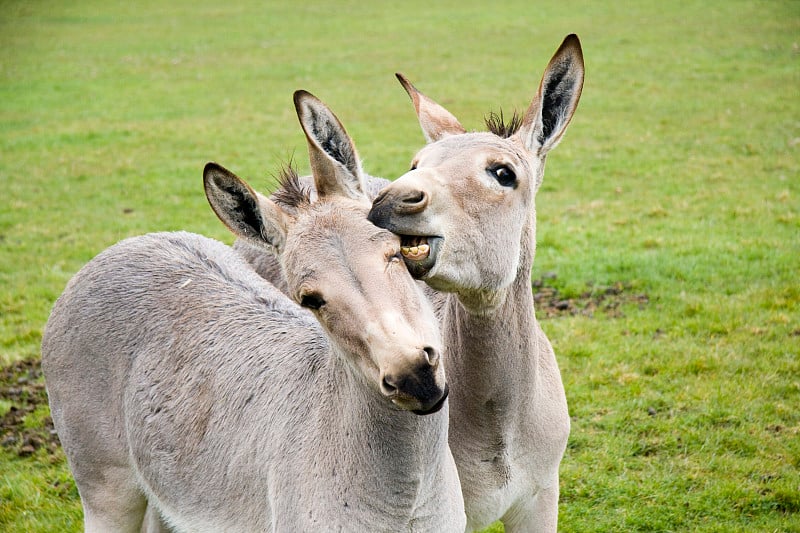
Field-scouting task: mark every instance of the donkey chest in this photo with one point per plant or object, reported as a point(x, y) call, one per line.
point(506, 455)
point(492, 484)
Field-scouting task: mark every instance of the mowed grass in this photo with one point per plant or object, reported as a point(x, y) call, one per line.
point(679, 177)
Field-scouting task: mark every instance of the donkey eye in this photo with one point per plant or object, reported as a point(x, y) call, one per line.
point(413, 166)
point(504, 175)
point(312, 301)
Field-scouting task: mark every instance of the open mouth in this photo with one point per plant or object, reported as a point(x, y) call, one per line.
point(419, 253)
point(415, 248)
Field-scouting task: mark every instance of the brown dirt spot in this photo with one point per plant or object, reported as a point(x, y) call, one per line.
point(609, 300)
point(22, 384)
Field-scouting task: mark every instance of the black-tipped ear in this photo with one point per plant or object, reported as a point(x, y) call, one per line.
point(247, 214)
point(436, 121)
point(333, 157)
point(555, 102)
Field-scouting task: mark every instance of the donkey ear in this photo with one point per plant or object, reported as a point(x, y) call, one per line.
point(249, 215)
point(554, 104)
point(334, 160)
point(436, 121)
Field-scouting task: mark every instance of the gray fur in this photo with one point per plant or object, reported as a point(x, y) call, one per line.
point(187, 391)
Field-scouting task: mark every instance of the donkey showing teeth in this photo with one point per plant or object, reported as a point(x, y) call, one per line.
point(467, 218)
point(187, 389)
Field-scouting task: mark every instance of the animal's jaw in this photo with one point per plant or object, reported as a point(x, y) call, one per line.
point(420, 253)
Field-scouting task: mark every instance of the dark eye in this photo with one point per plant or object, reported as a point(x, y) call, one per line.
point(312, 301)
point(504, 175)
point(413, 166)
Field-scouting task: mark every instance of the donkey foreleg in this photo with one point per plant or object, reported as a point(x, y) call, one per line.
point(113, 504)
point(538, 514)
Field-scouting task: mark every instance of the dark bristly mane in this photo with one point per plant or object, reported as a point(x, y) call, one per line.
point(496, 123)
point(290, 193)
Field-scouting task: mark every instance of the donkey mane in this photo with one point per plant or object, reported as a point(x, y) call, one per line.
point(291, 193)
point(496, 123)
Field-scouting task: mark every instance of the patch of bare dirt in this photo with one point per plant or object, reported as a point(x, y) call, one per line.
point(608, 300)
point(22, 384)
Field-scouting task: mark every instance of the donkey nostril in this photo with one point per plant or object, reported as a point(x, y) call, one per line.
point(414, 197)
point(431, 355)
point(387, 385)
point(378, 199)
point(411, 202)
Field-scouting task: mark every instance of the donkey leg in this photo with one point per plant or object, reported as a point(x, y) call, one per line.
point(537, 514)
point(153, 523)
point(113, 503)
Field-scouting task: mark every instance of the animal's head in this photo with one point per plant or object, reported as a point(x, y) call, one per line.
point(465, 210)
point(346, 271)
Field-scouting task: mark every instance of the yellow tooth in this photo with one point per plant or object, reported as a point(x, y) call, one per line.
point(414, 250)
point(405, 250)
point(424, 248)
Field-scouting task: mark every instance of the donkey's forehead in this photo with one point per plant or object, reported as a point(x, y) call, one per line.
point(328, 226)
point(333, 212)
point(479, 144)
point(335, 243)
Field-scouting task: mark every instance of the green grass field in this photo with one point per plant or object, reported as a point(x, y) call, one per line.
point(679, 180)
